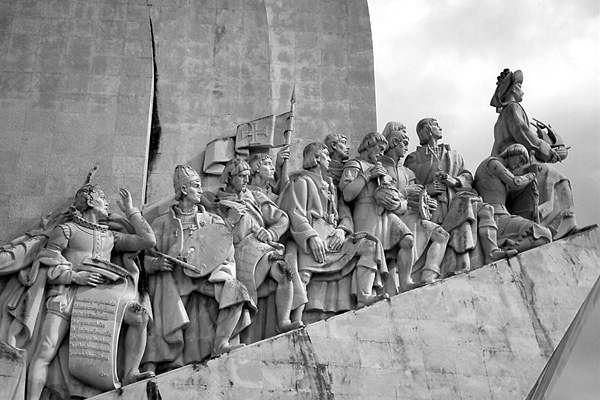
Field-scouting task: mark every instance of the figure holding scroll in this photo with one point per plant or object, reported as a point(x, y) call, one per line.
point(78, 255)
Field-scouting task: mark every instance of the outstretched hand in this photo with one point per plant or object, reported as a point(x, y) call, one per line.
point(125, 203)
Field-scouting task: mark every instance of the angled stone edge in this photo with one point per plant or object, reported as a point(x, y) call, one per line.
point(486, 334)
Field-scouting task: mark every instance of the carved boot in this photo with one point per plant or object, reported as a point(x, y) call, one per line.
point(226, 322)
point(489, 244)
point(429, 276)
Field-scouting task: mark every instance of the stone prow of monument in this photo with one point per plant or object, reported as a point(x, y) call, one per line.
point(486, 334)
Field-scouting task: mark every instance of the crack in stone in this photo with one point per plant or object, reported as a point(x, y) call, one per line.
point(526, 288)
point(319, 374)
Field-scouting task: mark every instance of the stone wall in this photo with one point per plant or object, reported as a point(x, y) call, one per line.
point(221, 63)
point(76, 88)
point(482, 335)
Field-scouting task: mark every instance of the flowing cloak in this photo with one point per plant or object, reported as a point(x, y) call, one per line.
point(311, 204)
point(386, 226)
point(254, 258)
point(422, 229)
point(184, 333)
point(556, 208)
point(494, 191)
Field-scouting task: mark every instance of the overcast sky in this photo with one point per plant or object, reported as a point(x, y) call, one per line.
point(441, 58)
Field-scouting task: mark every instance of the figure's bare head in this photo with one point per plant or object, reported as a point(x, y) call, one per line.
point(338, 146)
point(236, 175)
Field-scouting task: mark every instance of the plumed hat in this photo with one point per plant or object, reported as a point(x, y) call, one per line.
point(506, 81)
point(183, 175)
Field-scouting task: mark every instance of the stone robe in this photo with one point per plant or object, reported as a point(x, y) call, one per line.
point(253, 258)
point(422, 229)
point(184, 333)
point(311, 203)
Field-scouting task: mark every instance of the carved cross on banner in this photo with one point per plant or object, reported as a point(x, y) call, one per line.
point(252, 130)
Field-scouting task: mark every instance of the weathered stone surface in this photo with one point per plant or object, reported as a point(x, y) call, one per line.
point(223, 63)
point(485, 335)
point(75, 79)
point(13, 369)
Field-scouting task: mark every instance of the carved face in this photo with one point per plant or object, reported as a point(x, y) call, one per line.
point(324, 160)
point(99, 203)
point(239, 182)
point(436, 130)
point(342, 149)
point(376, 151)
point(518, 92)
point(266, 169)
point(402, 145)
point(193, 192)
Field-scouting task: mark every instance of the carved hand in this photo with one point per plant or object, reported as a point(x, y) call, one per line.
point(338, 236)
point(282, 156)
point(437, 188)
point(317, 246)
point(376, 171)
point(154, 265)
point(390, 203)
point(126, 203)
point(236, 212)
point(263, 235)
point(450, 181)
point(86, 278)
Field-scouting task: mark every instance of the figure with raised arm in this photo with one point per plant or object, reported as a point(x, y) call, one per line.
point(494, 181)
point(257, 226)
point(376, 203)
point(266, 177)
point(430, 238)
point(459, 210)
point(556, 208)
point(200, 307)
point(329, 251)
point(78, 256)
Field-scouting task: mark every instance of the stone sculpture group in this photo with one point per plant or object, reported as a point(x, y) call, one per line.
point(101, 301)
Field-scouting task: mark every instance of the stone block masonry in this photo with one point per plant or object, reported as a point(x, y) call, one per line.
point(75, 89)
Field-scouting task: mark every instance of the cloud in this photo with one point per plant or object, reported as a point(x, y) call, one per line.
point(441, 59)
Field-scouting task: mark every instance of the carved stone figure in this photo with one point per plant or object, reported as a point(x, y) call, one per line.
point(328, 250)
point(494, 180)
point(87, 293)
point(339, 152)
point(257, 224)
point(460, 211)
point(263, 173)
point(376, 204)
point(556, 210)
point(199, 305)
point(430, 239)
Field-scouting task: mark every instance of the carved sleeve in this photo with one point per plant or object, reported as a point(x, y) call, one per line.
point(60, 272)
point(353, 180)
point(497, 169)
point(143, 238)
point(522, 133)
point(276, 220)
point(296, 203)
